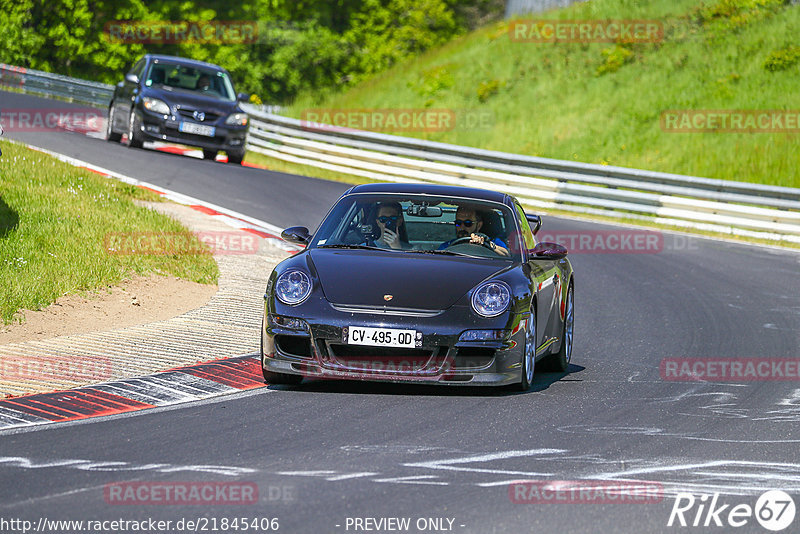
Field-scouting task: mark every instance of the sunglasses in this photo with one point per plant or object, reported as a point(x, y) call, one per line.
point(467, 223)
point(386, 218)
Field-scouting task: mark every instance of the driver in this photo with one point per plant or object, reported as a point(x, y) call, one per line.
point(468, 223)
point(203, 83)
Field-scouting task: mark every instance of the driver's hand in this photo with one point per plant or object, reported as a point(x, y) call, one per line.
point(390, 238)
point(477, 239)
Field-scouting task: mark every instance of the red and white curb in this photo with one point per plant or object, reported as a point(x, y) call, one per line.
point(175, 386)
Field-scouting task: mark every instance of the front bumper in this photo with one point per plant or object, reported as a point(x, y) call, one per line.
point(440, 358)
point(156, 127)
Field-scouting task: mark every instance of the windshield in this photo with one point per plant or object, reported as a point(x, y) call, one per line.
point(420, 224)
point(209, 82)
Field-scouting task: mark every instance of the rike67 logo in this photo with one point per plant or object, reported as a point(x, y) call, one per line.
point(774, 510)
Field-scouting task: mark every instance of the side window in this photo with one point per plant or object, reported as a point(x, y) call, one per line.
point(527, 234)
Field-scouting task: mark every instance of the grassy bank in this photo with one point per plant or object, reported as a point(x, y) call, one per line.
point(54, 219)
point(603, 102)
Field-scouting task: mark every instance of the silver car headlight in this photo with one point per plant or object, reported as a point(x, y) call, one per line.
point(155, 105)
point(236, 119)
point(491, 299)
point(293, 287)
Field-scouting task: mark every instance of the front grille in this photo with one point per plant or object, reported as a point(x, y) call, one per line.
point(297, 346)
point(473, 357)
point(382, 359)
point(189, 114)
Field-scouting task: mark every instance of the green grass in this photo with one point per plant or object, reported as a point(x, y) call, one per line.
point(53, 221)
point(602, 103)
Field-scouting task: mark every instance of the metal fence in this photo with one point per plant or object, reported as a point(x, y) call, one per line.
point(752, 210)
point(520, 7)
point(738, 208)
point(56, 86)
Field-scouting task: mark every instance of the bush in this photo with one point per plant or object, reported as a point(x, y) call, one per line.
point(782, 59)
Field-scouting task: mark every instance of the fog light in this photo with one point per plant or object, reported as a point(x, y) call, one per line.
point(482, 335)
point(152, 128)
point(291, 323)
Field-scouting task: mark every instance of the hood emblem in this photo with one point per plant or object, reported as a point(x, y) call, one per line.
point(387, 298)
point(199, 115)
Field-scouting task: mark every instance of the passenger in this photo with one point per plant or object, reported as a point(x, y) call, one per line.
point(389, 219)
point(468, 223)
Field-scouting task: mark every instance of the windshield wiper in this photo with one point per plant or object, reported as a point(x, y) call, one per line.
point(445, 252)
point(355, 247)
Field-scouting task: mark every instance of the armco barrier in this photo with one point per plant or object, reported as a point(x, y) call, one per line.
point(752, 210)
point(737, 208)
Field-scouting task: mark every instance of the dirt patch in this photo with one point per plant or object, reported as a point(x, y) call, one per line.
point(138, 300)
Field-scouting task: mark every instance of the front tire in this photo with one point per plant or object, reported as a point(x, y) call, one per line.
point(111, 135)
point(559, 362)
point(528, 353)
point(235, 157)
point(134, 139)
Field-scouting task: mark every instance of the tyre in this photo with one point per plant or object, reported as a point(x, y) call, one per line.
point(276, 378)
point(209, 154)
point(134, 135)
point(559, 362)
point(528, 353)
point(111, 136)
point(235, 157)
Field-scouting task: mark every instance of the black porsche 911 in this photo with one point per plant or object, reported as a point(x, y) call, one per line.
point(178, 100)
point(422, 283)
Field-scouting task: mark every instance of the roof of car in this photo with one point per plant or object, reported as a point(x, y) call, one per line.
point(183, 61)
point(431, 189)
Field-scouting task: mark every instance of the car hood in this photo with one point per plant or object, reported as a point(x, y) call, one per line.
point(415, 281)
point(187, 99)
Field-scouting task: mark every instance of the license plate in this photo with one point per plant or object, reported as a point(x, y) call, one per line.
point(197, 129)
point(382, 337)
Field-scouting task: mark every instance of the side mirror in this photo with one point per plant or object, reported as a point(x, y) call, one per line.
point(132, 78)
point(548, 251)
point(296, 234)
point(243, 97)
point(535, 221)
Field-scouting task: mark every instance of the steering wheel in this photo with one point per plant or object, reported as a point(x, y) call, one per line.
point(462, 240)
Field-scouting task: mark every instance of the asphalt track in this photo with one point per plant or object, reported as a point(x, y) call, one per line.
point(324, 453)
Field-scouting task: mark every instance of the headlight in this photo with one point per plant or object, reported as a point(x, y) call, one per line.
point(293, 287)
point(237, 119)
point(491, 299)
point(155, 105)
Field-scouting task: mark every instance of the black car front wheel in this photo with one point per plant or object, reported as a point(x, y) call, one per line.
point(134, 135)
point(559, 362)
point(111, 135)
point(528, 353)
point(235, 157)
